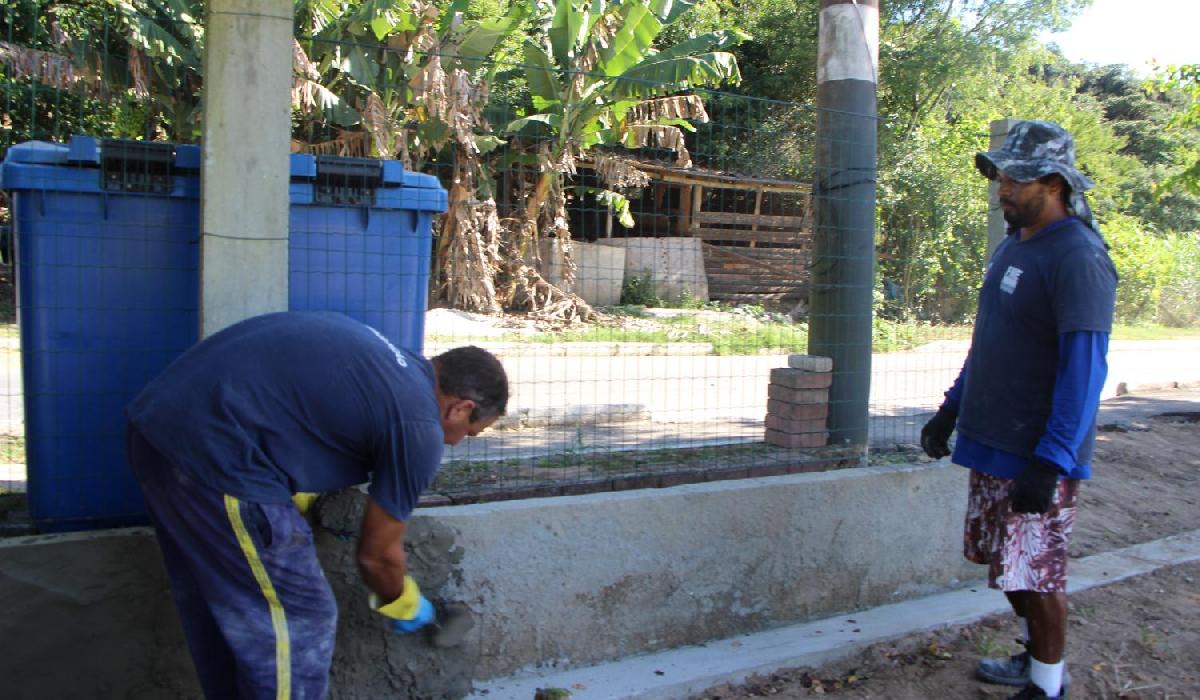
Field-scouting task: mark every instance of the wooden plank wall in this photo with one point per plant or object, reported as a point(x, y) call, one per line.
point(754, 257)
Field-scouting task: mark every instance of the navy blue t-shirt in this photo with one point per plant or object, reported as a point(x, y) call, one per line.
point(1059, 281)
point(292, 402)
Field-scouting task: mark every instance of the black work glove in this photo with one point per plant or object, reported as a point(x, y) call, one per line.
point(935, 436)
point(1033, 490)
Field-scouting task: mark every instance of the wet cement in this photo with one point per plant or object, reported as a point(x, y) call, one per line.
point(371, 661)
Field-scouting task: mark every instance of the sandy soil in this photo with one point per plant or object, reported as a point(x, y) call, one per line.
point(1138, 639)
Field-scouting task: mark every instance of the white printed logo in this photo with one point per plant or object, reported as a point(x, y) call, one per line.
point(399, 356)
point(1011, 276)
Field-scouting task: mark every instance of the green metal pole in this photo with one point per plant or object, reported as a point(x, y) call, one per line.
point(843, 272)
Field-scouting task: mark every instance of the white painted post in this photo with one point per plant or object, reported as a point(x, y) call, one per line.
point(246, 142)
point(997, 228)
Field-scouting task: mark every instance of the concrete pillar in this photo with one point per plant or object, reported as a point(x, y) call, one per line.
point(246, 141)
point(997, 228)
point(843, 274)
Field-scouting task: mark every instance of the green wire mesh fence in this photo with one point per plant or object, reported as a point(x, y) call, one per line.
point(638, 253)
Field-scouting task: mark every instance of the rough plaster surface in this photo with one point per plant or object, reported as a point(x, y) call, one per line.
point(645, 570)
point(90, 616)
point(369, 660)
point(557, 581)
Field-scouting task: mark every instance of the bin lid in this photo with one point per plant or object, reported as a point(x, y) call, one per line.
point(88, 150)
point(79, 164)
point(370, 182)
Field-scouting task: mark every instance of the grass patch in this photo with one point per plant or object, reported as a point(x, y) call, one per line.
point(735, 336)
point(749, 330)
point(12, 449)
point(898, 336)
point(1123, 331)
point(750, 335)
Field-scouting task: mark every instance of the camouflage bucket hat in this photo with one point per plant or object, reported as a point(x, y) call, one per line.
point(1035, 149)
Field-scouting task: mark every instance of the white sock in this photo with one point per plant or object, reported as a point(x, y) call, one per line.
point(1048, 677)
point(1024, 628)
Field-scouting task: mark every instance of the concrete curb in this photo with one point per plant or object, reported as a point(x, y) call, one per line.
point(682, 673)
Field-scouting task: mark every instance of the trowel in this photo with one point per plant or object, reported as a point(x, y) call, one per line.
point(454, 621)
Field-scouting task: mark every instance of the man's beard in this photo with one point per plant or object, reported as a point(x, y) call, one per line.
point(1022, 216)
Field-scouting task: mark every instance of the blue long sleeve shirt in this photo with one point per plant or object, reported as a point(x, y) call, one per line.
point(1079, 378)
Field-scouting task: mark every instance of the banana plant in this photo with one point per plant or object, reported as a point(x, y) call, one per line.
point(597, 80)
point(149, 51)
point(407, 80)
point(386, 71)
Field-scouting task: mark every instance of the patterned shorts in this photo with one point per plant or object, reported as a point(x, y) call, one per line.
point(1023, 551)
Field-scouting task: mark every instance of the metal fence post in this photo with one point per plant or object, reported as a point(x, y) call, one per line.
point(843, 272)
point(996, 228)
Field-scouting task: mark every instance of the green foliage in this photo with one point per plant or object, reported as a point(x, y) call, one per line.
point(591, 70)
point(96, 65)
point(639, 290)
point(1184, 80)
point(1160, 274)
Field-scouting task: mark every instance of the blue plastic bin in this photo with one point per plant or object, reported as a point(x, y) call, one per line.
point(359, 242)
point(106, 248)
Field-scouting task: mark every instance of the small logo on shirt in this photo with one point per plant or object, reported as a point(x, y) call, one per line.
point(1011, 276)
point(399, 357)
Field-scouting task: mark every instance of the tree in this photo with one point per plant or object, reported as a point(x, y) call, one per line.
point(1184, 79)
point(139, 60)
point(411, 82)
point(597, 81)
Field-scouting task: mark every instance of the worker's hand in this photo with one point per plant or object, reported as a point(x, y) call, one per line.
point(410, 612)
point(935, 436)
point(304, 501)
point(425, 615)
point(1033, 490)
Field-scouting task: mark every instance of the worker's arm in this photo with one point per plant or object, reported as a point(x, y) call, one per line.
point(381, 559)
point(384, 567)
point(1082, 369)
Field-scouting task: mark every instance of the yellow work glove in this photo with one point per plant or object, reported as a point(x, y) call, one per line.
point(410, 612)
point(304, 501)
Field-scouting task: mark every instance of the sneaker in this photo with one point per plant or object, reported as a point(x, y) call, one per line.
point(1013, 670)
point(1033, 692)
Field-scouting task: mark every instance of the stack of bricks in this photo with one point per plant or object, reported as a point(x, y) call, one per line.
point(798, 402)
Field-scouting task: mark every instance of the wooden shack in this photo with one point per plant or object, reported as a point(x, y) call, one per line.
point(756, 233)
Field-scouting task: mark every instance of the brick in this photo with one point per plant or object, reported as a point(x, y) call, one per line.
point(801, 379)
point(809, 467)
point(679, 479)
point(783, 393)
point(629, 483)
point(727, 474)
point(584, 488)
point(811, 363)
point(775, 437)
point(769, 470)
point(797, 411)
point(795, 427)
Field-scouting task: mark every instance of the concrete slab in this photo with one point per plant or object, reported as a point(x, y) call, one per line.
point(681, 673)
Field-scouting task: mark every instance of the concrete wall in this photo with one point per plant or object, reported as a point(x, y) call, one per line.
point(568, 580)
point(599, 270)
point(675, 265)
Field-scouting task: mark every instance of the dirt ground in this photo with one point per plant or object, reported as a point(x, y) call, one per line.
point(1137, 639)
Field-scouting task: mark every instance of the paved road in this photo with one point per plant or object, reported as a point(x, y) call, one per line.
point(685, 401)
point(613, 403)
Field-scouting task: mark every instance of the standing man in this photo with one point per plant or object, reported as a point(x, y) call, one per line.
point(268, 408)
point(1025, 402)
